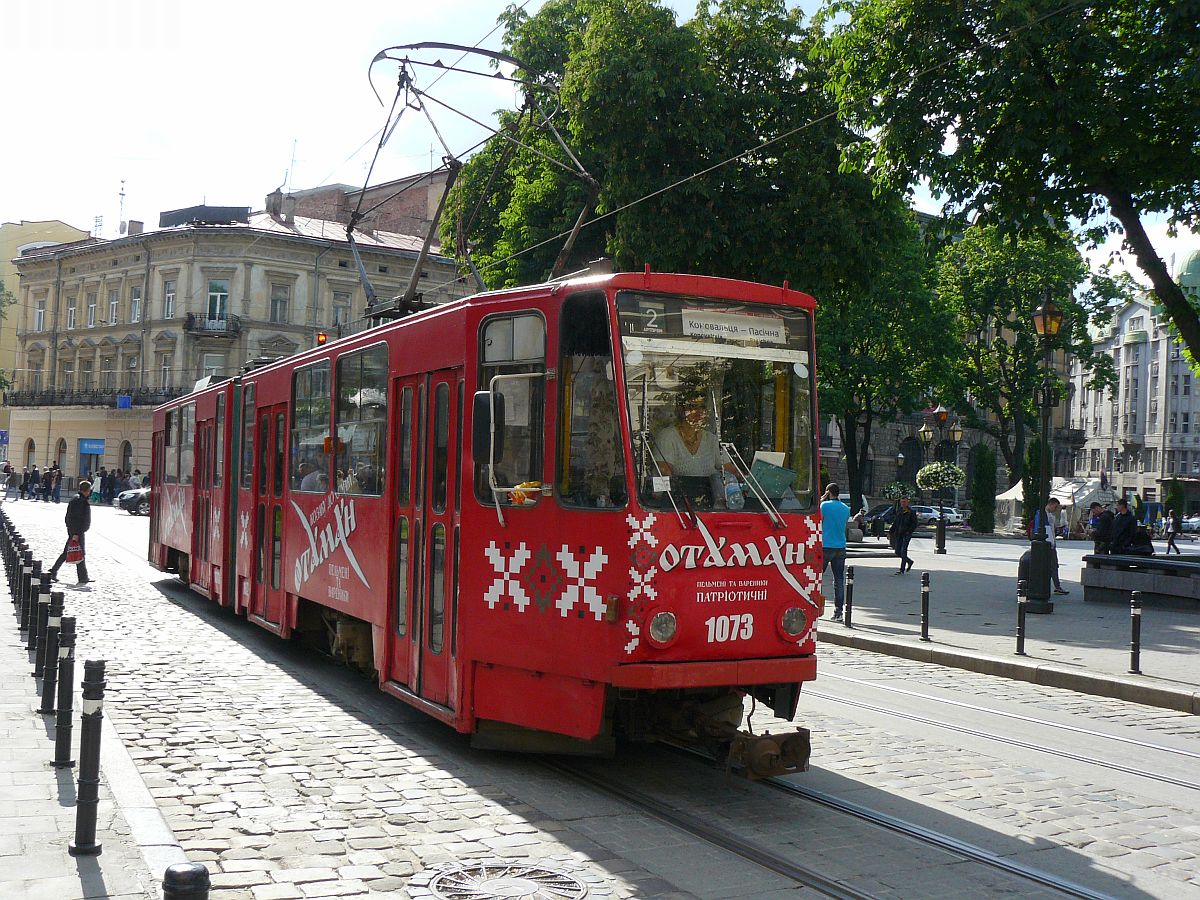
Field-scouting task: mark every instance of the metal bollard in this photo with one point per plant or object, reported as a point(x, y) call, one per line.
point(186, 881)
point(39, 644)
point(924, 606)
point(49, 654)
point(25, 584)
point(1022, 605)
point(88, 792)
point(848, 613)
point(29, 607)
point(66, 694)
point(25, 568)
point(1135, 636)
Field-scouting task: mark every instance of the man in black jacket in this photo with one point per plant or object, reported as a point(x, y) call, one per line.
point(1122, 528)
point(1101, 522)
point(901, 532)
point(79, 520)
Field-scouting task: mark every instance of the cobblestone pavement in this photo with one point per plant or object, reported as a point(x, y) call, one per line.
point(294, 779)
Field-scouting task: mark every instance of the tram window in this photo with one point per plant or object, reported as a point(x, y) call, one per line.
point(362, 382)
point(187, 443)
point(457, 470)
point(402, 538)
point(279, 444)
point(309, 463)
point(404, 479)
point(248, 437)
point(441, 445)
point(261, 531)
point(219, 445)
point(276, 546)
point(437, 588)
point(171, 448)
point(263, 452)
point(591, 461)
point(514, 345)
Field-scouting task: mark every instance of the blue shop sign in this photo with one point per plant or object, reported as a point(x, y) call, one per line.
point(91, 445)
point(124, 401)
point(3, 437)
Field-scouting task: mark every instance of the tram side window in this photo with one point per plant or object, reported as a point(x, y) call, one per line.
point(187, 443)
point(362, 382)
point(514, 345)
point(248, 437)
point(591, 461)
point(171, 448)
point(219, 445)
point(309, 463)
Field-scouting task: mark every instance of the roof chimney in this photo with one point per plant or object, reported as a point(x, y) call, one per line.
point(289, 210)
point(275, 203)
point(135, 227)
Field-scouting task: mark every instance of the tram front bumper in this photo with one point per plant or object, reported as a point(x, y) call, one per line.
point(716, 673)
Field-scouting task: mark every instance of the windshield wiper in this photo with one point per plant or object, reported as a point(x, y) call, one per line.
point(736, 460)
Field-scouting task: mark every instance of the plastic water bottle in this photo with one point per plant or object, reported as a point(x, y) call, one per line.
point(734, 498)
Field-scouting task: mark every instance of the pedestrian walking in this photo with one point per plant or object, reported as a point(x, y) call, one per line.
point(57, 490)
point(24, 483)
point(834, 516)
point(79, 520)
point(47, 483)
point(1046, 520)
point(12, 484)
point(1100, 526)
point(1174, 526)
point(901, 532)
point(35, 482)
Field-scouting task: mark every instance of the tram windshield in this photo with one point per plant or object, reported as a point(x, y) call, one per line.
point(720, 403)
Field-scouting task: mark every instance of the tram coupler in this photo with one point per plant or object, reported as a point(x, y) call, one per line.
point(766, 755)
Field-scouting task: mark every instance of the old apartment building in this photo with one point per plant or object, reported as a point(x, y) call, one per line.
point(106, 330)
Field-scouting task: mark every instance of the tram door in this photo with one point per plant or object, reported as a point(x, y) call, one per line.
point(202, 535)
point(426, 535)
point(270, 473)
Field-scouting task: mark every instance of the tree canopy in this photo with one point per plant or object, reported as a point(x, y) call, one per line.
point(1024, 111)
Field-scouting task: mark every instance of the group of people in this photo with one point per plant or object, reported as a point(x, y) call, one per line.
point(1119, 533)
point(113, 482)
point(33, 484)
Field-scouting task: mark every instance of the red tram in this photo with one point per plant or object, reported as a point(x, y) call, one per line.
point(545, 516)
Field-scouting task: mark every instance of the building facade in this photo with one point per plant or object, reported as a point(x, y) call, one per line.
point(106, 330)
point(15, 239)
point(1146, 431)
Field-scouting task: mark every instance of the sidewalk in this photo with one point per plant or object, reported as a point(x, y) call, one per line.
point(1080, 646)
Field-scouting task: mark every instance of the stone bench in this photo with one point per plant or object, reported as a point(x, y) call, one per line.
point(1174, 579)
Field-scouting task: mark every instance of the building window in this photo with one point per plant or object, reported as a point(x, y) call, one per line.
point(66, 381)
point(168, 310)
point(1187, 383)
point(36, 380)
point(39, 315)
point(281, 295)
point(1186, 428)
point(85, 374)
point(164, 371)
point(212, 364)
point(218, 299)
point(114, 307)
point(107, 377)
point(91, 310)
point(131, 374)
point(71, 312)
point(135, 304)
point(1174, 426)
point(341, 308)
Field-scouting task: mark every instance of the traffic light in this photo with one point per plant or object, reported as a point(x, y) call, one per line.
point(322, 337)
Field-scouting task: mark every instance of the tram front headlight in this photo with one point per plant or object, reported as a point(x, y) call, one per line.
point(794, 622)
point(663, 627)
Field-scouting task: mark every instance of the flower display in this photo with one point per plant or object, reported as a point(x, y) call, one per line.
point(940, 475)
point(898, 489)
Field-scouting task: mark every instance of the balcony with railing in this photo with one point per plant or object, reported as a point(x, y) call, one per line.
point(228, 326)
point(1074, 437)
point(148, 396)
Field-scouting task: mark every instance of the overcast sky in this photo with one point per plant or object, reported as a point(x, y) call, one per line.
point(194, 103)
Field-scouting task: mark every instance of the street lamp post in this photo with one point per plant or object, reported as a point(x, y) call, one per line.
point(1047, 319)
point(941, 415)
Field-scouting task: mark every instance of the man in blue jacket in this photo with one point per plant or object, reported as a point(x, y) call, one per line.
point(834, 516)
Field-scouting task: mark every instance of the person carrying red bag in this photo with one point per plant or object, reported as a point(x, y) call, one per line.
point(79, 520)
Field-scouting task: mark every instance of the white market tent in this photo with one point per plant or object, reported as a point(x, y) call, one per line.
point(1075, 495)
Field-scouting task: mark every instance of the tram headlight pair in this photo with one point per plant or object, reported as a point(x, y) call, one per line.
point(794, 623)
point(662, 628)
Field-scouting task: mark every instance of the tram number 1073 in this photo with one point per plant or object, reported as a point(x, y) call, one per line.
point(730, 628)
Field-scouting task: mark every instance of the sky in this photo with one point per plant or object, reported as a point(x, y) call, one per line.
point(221, 102)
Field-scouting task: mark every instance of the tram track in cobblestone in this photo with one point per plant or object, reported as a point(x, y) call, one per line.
point(1017, 742)
point(724, 840)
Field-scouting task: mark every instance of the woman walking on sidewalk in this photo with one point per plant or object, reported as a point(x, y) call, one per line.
point(901, 533)
point(1173, 529)
point(79, 520)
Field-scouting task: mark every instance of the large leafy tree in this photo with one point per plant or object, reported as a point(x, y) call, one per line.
point(1023, 110)
point(989, 283)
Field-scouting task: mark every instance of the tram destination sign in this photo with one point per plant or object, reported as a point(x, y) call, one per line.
point(733, 326)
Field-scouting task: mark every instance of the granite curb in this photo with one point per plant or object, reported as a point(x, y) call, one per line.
point(1133, 689)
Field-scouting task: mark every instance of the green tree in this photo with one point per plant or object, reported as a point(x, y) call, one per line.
point(990, 283)
point(1173, 496)
point(983, 492)
point(1020, 110)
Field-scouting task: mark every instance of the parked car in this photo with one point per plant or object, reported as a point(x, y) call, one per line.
point(135, 501)
point(1191, 523)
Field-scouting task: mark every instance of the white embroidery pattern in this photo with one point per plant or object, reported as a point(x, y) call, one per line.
point(641, 530)
point(244, 529)
point(579, 590)
point(506, 583)
point(635, 631)
point(642, 584)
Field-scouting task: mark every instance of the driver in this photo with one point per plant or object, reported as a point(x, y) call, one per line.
point(687, 448)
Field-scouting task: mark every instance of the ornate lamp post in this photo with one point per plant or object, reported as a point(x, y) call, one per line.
point(941, 416)
point(1047, 319)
